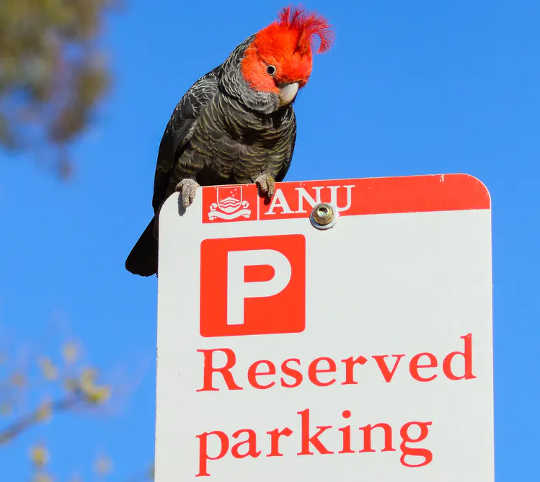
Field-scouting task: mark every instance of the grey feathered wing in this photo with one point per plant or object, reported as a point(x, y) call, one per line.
point(143, 258)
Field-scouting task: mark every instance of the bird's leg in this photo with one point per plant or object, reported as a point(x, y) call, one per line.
point(266, 185)
point(187, 189)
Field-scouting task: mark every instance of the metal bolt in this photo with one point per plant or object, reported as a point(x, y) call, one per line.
point(323, 216)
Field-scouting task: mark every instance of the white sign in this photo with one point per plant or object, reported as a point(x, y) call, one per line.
point(358, 353)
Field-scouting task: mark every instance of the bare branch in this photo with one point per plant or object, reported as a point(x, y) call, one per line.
point(38, 415)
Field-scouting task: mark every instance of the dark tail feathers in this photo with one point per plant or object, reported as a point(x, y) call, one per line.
point(143, 258)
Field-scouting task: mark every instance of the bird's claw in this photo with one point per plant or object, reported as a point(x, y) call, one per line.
point(266, 185)
point(187, 189)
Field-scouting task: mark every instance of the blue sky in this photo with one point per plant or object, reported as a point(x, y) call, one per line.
point(408, 88)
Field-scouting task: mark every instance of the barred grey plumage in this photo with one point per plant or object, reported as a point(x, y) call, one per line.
point(225, 131)
point(221, 132)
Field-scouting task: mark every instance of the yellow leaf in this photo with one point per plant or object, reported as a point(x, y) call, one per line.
point(39, 455)
point(98, 394)
point(43, 412)
point(48, 369)
point(70, 352)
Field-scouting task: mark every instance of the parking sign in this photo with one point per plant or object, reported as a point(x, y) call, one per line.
point(360, 352)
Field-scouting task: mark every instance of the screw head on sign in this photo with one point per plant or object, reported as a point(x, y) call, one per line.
point(323, 216)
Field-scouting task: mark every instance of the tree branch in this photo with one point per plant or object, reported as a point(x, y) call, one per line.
point(25, 422)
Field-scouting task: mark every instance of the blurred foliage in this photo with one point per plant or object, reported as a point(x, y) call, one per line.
point(69, 385)
point(52, 72)
point(39, 456)
point(35, 389)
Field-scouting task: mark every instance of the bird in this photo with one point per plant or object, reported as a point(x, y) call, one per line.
point(236, 124)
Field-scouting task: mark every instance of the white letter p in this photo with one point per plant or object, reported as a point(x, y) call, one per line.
point(238, 289)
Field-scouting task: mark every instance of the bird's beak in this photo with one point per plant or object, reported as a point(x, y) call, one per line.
point(287, 93)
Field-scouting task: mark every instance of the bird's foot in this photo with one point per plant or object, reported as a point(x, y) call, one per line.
point(187, 189)
point(266, 185)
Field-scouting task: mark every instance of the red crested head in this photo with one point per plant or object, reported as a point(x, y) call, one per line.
point(281, 54)
point(305, 26)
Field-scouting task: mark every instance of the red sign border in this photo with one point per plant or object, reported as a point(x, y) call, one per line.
point(407, 194)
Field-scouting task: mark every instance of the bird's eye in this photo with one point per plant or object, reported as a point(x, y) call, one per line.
point(271, 69)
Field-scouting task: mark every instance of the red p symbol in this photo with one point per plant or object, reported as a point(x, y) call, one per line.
point(253, 285)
